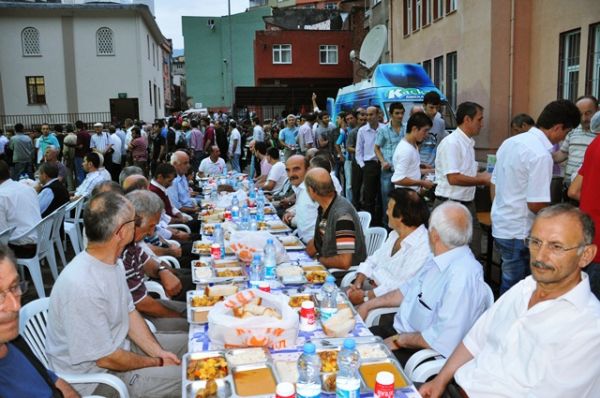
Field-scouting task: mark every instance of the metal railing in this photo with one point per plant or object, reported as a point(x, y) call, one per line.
point(33, 121)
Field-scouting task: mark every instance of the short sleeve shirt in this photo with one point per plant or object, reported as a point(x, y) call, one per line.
point(235, 136)
point(406, 163)
point(277, 174)
point(455, 154)
point(134, 258)
point(345, 233)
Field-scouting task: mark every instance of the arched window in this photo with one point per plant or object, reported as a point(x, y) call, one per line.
point(104, 42)
point(30, 42)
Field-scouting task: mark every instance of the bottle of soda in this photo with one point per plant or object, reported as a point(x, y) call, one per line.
point(328, 298)
point(309, 369)
point(257, 272)
point(347, 383)
point(270, 259)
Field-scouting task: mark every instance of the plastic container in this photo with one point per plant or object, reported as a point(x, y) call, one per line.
point(285, 390)
point(384, 385)
point(347, 384)
point(270, 260)
point(257, 272)
point(219, 238)
point(309, 377)
point(235, 207)
point(328, 295)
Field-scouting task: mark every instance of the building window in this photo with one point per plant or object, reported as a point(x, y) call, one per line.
point(417, 12)
point(568, 64)
point(282, 53)
point(426, 14)
point(328, 55)
point(450, 6)
point(332, 6)
point(104, 42)
point(438, 72)
point(150, 91)
point(451, 77)
point(592, 85)
point(438, 9)
point(408, 17)
point(36, 90)
point(427, 67)
point(30, 42)
point(148, 45)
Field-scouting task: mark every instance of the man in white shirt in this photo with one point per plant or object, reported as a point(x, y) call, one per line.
point(305, 133)
point(94, 176)
point(541, 338)
point(407, 170)
point(368, 162)
point(258, 135)
point(277, 175)
point(235, 146)
point(212, 165)
point(521, 183)
point(402, 254)
point(456, 168)
point(303, 214)
point(444, 299)
point(117, 154)
point(19, 207)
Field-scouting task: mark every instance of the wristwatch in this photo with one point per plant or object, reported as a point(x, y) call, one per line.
point(366, 296)
point(161, 268)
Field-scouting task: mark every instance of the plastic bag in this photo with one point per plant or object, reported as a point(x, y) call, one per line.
point(244, 243)
point(226, 330)
point(224, 201)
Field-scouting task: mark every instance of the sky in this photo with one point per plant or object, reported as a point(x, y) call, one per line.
point(168, 14)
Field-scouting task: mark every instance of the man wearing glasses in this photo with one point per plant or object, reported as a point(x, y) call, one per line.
point(21, 373)
point(542, 338)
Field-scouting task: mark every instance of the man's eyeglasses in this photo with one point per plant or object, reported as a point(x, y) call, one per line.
point(135, 219)
point(555, 248)
point(17, 291)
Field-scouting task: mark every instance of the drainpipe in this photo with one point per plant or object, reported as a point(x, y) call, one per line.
point(511, 58)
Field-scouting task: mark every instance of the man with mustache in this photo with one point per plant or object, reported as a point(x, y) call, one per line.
point(21, 373)
point(304, 213)
point(542, 337)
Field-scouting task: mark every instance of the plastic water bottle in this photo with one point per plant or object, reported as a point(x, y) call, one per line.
point(347, 384)
point(309, 368)
point(235, 207)
point(245, 218)
point(253, 224)
point(214, 195)
point(225, 170)
point(270, 260)
point(257, 272)
point(260, 210)
point(328, 299)
point(219, 238)
point(260, 195)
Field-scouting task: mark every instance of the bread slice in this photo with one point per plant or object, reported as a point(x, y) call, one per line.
point(220, 290)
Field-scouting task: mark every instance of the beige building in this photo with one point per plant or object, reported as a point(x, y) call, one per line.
point(510, 56)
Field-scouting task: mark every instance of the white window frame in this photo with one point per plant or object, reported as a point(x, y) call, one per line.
point(328, 49)
point(112, 42)
point(24, 48)
point(418, 13)
point(409, 17)
point(595, 60)
point(570, 72)
point(441, 77)
point(440, 4)
point(429, 14)
point(453, 4)
point(279, 50)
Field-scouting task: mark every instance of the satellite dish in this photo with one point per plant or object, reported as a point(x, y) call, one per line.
point(373, 46)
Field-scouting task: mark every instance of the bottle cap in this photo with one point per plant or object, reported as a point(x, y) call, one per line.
point(307, 305)
point(285, 390)
point(330, 279)
point(218, 226)
point(349, 344)
point(309, 348)
point(269, 241)
point(384, 378)
point(256, 256)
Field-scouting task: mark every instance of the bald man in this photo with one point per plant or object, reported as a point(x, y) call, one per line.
point(179, 191)
point(51, 156)
point(338, 240)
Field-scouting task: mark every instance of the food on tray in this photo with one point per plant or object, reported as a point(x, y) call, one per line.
point(329, 382)
point(309, 268)
point(288, 271)
point(253, 382)
point(247, 356)
point(296, 301)
point(226, 263)
point(370, 351)
point(277, 225)
point(203, 272)
point(209, 391)
point(340, 324)
point(328, 361)
point(262, 225)
point(203, 262)
point(369, 373)
point(254, 308)
point(269, 210)
point(205, 301)
point(207, 368)
point(220, 290)
point(290, 240)
point(287, 370)
point(244, 252)
point(231, 272)
point(202, 247)
point(208, 229)
point(316, 276)
point(200, 315)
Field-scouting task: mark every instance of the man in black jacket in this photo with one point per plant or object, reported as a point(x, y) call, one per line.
point(53, 193)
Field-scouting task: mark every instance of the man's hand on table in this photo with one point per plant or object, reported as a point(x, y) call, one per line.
point(363, 310)
point(288, 217)
point(390, 342)
point(356, 295)
point(433, 389)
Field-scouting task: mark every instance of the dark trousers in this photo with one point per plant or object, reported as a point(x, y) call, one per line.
point(114, 170)
point(593, 271)
point(23, 251)
point(371, 190)
point(385, 330)
point(357, 175)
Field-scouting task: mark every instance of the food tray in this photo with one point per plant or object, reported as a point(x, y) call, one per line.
point(299, 279)
point(297, 245)
point(214, 277)
point(201, 247)
point(312, 270)
point(308, 296)
point(240, 379)
point(277, 227)
point(197, 315)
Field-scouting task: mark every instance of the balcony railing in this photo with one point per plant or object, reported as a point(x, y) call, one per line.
point(34, 121)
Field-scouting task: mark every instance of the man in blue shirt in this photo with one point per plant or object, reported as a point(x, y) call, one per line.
point(21, 373)
point(287, 137)
point(179, 191)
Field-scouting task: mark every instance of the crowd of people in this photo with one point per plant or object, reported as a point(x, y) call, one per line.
point(142, 202)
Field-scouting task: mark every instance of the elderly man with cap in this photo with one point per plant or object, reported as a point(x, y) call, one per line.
point(100, 142)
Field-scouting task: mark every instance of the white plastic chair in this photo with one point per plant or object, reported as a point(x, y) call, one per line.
point(365, 219)
point(44, 250)
point(57, 241)
point(374, 238)
point(33, 321)
point(426, 363)
point(5, 235)
point(72, 225)
point(182, 227)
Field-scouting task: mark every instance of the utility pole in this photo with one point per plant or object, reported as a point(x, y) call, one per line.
point(230, 54)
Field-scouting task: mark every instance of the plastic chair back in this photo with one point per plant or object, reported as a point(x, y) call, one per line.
point(374, 238)
point(5, 235)
point(44, 235)
point(365, 219)
point(33, 321)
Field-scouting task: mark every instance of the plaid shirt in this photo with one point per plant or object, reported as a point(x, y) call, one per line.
point(387, 140)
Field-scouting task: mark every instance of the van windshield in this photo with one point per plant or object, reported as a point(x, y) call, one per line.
point(446, 112)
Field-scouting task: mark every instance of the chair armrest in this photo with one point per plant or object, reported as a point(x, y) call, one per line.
point(182, 227)
point(102, 378)
point(427, 370)
point(348, 278)
point(171, 260)
point(418, 358)
point(374, 315)
point(155, 287)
